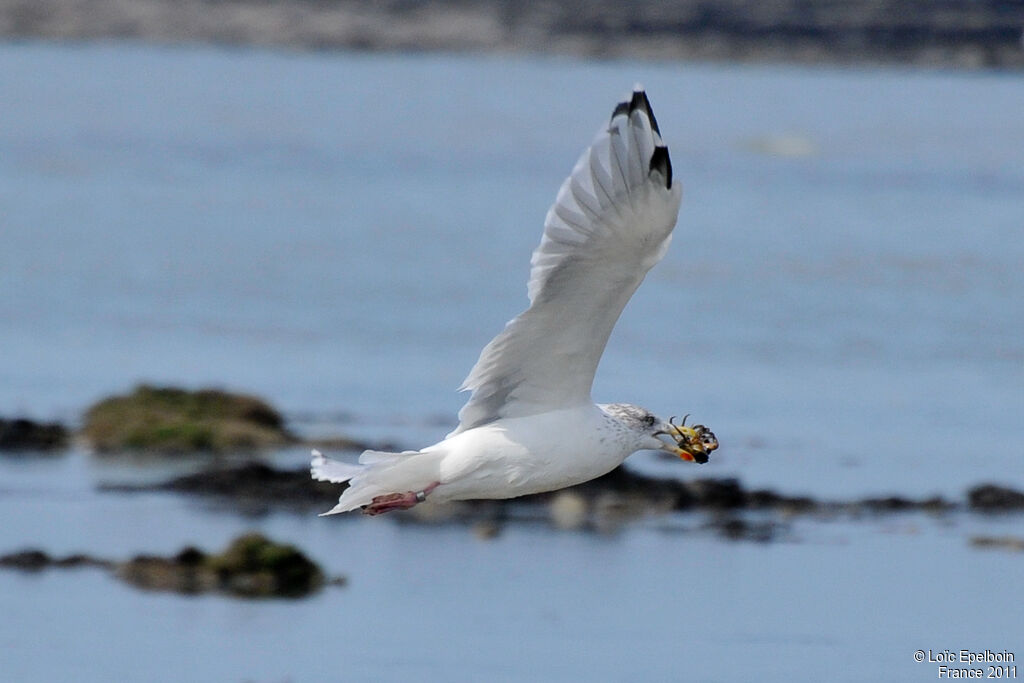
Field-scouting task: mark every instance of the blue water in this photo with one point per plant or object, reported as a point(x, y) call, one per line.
point(843, 304)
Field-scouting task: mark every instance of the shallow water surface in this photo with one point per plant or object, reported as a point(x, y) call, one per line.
point(843, 304)
point(660, 600)
point(253, 219)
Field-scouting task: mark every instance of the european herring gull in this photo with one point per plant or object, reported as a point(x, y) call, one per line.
point(530, 424)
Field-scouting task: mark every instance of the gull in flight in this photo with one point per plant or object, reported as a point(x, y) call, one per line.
point(530, 424)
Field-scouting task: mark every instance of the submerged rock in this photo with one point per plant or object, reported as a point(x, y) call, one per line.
point(21, 434)
point(258, 481)
point(994, 498)
point(33, 559)
point(173, 420)
point(26, 560)
point(603, 504)
point(735, 528)
point(718, 494)
point(252, 566)
point(253, 487)
point(998, 543)
point(886, 504)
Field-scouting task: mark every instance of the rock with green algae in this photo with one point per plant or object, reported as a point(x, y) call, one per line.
point(174, 420)
point(253, 566)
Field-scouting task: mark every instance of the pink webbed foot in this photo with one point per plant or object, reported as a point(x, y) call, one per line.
point(398, 501)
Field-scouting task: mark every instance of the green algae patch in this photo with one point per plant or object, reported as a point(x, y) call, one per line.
point(255, 566)
point(252, 566)
point(174, 420)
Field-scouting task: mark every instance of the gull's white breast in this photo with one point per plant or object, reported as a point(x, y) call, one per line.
point(518, 456)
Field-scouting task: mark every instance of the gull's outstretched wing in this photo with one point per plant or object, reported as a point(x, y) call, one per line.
point(611, 222)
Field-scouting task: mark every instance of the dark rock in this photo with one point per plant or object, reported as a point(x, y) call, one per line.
point(255, 566)
point(22, 434)
point(257, 484)
point(740, 529)
point(718, 494)
point(173, 420)
point(994, 498)
point(936, 504)
point(762, 499)
point(888, 504)
point(604, 503)
point(166, 574)
point(998, 542)
point(36, 560)
point(190, 556)
point(626, 483)
point(253, 488)
point(26, 560)
point(80, 560)
point(252, 566)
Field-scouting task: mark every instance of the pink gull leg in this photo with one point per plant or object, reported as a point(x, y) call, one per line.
point(398, 501)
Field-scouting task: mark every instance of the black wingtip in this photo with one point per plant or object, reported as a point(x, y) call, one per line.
point(660, 161)
point(640, 101)
point(662, 164)
point(621, 108)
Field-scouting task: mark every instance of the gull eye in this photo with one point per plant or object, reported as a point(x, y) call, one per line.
point(649, 420)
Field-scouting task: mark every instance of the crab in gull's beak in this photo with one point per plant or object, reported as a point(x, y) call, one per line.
point(692, 443)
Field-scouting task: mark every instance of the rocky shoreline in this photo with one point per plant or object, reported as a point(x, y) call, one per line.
point(953, 33)
point(252, 566)
point(604, 504)
point(168, 422)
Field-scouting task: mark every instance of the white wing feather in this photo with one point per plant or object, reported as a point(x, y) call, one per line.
point(611, 222)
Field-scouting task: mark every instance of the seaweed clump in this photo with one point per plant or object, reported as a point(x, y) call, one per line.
point(253, 566)
point(174, 420)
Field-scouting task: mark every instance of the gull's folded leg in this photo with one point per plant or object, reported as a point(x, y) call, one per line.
point(398, 501)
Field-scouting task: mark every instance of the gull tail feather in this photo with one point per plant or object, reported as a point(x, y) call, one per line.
point(325, 469)
point(378, 473)
point(374, 457)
